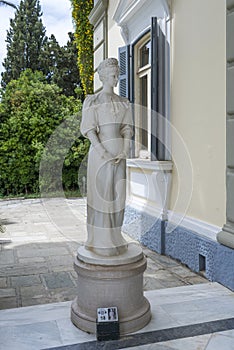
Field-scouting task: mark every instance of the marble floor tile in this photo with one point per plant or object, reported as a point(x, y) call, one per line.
point(159, 319)
point(31, 301)
point(71, 334)
point(172, 283)
point(35, 291)
point(26, 239)
point(23, 281)
point(25, 269)
point(64, 294)
point(151, 283)
point(7, 292)
point(228, 333)
point(182, 271)
point(196, 280)
point(30, 252)
point(30, 337)
point(28, 261)
point(191, 343)
point(187, 293)
point(152, 266)
point(201, 310)
point(58, 280)
point(220, 342)
point(3, 282)
point(7, 257)
point(31, 314)
point(151, 347)
point(42, 326)
point(170, 308)
point(8, 303)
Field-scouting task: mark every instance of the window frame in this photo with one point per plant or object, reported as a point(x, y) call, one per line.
point(159, 32)
point(140, 72)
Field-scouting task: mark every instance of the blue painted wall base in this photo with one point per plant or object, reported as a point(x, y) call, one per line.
point(187, 246)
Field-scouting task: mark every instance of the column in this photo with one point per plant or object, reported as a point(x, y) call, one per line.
point(226, 236)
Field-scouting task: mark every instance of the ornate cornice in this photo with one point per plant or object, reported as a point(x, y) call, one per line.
point(98, 11)
point(127, 12)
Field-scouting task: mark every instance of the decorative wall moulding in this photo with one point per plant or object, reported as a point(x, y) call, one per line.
point(150, 165)
point(98, 11)
point(128, 15)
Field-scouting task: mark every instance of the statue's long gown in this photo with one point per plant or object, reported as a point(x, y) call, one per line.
point(106, 181)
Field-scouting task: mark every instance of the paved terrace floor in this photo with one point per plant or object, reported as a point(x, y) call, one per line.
point(37, 283)
point(37, 266)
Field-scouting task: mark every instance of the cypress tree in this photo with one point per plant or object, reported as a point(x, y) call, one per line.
point(66, 75)
point(25, 40)
point(49, 57)
point(60, 64)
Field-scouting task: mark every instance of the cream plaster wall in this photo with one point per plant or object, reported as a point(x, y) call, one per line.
point(198, 104)
point(115, 39)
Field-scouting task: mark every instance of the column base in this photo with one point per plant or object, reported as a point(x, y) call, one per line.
point(105, 286)
point(226, 238)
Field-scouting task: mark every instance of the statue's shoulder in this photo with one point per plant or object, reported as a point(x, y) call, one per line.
point(124, 99)
point(89, 101)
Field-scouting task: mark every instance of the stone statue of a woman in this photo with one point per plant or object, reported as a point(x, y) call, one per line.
point(107, 123)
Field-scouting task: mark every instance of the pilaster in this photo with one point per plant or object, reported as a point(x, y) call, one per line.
point(226, 236)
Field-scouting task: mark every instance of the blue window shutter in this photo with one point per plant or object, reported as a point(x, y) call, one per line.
point(157, 91)
point(124, 64)
point(154, 86)
point(125, 85)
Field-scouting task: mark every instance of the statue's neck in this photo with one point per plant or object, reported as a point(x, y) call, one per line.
point(108, 89)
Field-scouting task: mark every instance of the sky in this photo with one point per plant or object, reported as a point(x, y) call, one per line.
point(56, 18)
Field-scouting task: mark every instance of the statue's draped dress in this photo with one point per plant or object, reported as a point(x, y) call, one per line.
point(111, 121)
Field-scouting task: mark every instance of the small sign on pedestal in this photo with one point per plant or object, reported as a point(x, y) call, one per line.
point(107, 324)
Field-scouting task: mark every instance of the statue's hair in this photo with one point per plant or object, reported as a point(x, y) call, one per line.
point(105, 65)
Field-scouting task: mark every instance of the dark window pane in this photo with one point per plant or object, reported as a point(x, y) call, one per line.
point(145, 54)
point(144, 114)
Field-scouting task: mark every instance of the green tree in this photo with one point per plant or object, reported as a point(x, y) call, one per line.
point(7, 3)
point(84, 42)
point(49, 56)
point(25, 40)
point(30, 111)
point(60, 64)
point(66, 74)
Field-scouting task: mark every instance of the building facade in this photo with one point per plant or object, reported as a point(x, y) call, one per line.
point(172, 56)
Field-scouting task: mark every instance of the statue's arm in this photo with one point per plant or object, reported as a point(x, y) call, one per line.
point(93, 137)
point(125, 151)
point(126, 132)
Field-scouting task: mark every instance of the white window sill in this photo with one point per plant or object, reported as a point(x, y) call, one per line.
point(150, 165)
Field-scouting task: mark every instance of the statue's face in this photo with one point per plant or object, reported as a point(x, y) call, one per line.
point(111, 77)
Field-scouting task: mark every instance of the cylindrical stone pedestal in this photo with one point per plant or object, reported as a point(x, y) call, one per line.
point(101, 286)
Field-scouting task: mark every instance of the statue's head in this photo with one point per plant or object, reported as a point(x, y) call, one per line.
point(107, 67)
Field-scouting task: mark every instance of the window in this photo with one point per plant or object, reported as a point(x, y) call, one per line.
point(145, 53)
point(142, 93)
point(145, 80)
